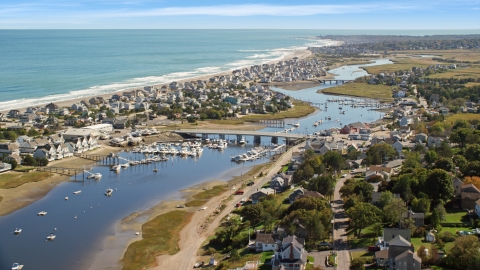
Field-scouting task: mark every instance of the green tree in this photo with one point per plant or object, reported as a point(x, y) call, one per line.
point(363, 215)
point(442, 213)
point(473, 152)
point(323, 184)
point(13, 162)
point(379, 153)
point(334, 161)
point(412, 160)
point(460, 124)
point(444, 163)
point(444, 150)
point(439, 186)
point(472, 169)
point(253, 213)
point(386, 198)
point(437, 129)
point(464, 253)
point(394, 210)
point(29, 161)
point(421, 205)
point(431, 157)
point(33, 132)
point(459, 136)
point(460, 161)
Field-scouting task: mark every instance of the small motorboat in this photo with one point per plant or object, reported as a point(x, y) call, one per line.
point(66, 198)
point(42, 213)
point(51, 237)
point(17, 266)
point(77, 192)
point(17, 231)
point(109, 192)
point(155, 170)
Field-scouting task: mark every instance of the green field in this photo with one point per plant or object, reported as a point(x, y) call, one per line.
point(459, 73)
point(300, 109)
point(159, 236)
point(375, 91)
point(400, 64)
point(203, 197)
point(13, 179)
point(462, 116)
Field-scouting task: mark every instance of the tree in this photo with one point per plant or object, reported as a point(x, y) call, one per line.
point(464, 253)
point(253, 213)
point(439, 185)
point(460, 124)
point(33, 132)
point(431, 157)
point(442, 213)
point(394, 210)
point(422, 253)
point(323, 184)
point(444, 163)
point(234, 255)
point(437, 129)
point(412, 160)
point(475, 180)
point(42, 161)
point(473, 152)
point(334, 161)
point(377, 229)
point(364, 188)
point(460, 136)
point(472, 169)
point(363, 215)
point(444, 150)
point(459, 161)
point(421, 205)
point(379, 153)
point(386, 198)
point(29, 161)
point(13, 162)
point(357, 264)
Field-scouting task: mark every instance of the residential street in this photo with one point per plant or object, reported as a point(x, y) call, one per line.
point(340, 236)
point(190, 238)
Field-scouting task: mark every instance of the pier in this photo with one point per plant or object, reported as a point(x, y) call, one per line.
point(101, 159)
point(65, 171)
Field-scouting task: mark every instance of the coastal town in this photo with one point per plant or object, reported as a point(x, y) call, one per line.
point(401, 192)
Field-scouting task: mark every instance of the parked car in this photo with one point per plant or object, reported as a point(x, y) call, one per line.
point(352, 171)
point(373, 248)
point(251, 183)
point(238, 205)
point(196, 265)
point(239, 192)
point(344, 175)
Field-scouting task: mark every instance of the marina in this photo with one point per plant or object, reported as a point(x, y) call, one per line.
point(155, 172)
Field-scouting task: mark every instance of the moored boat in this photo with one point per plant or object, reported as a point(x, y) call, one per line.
point(109, 192)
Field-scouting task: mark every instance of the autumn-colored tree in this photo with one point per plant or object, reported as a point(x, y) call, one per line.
point(475, 180)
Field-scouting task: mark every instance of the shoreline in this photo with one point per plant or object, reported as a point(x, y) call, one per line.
point(300, 53)
point(19, 197)
point(115, 247)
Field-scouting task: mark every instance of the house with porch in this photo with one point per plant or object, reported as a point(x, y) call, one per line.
point(291, 255)
point(265, 242)
point(262, 193)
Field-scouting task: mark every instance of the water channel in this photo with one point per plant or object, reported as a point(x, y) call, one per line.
point(135, 188)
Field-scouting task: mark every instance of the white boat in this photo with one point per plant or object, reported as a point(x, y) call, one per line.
point(42, 213)
point(109, 192)
point(77, 192)
point(97, 176)
point(242, 141)
point(17, 266)
point(155, 170)
point(296, 125)
point(115, 168)
point(51, 237)
point(125, 165)
point(17, 231)
point(66, 198)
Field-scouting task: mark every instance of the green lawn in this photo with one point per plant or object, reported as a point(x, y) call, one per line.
point(375, 91)
point(462, 116)
point(202, 197)
point(266, 256)
point(363, 254)
point(456, 216)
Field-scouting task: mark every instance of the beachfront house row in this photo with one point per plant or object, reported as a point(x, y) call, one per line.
point(9, 148)
point(45, 153)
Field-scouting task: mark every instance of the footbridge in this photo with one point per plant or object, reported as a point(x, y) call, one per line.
point(240, 133)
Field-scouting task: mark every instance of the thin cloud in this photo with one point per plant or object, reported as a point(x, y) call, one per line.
point(260, 10)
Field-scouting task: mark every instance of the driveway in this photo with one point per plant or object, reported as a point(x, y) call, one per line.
point(339, 234)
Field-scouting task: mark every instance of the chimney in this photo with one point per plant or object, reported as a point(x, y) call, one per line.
point(291, 251)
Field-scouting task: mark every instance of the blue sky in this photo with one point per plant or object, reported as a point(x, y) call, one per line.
point(211, 14)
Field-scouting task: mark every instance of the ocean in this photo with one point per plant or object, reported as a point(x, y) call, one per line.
point(41, 66)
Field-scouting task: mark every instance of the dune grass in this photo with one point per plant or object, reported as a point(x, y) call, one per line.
point(159, 236)
point(202, 197)
point(459, 73)
point(13, 179)
point(374, 91)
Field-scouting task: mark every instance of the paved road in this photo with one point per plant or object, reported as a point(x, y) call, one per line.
point(340, 235)
point(191, 239)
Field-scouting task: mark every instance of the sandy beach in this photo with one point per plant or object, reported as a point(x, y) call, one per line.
point(301, 54)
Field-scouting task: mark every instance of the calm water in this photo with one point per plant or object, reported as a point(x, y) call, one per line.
point(136, 188)
point(40, 66)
